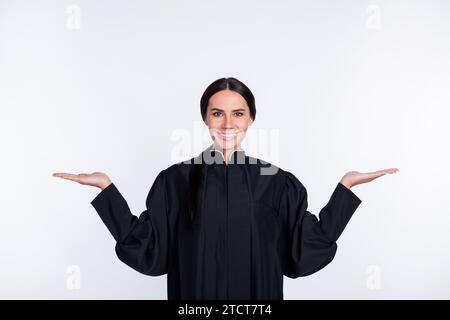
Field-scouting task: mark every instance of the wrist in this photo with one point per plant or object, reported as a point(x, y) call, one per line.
point(104, 185)
point(347, 184)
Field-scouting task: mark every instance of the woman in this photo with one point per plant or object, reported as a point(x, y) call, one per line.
point(224, 225)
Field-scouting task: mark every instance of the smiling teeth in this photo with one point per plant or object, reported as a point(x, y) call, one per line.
point(228, 136)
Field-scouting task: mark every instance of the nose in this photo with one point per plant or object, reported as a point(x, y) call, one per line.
point(228, 123)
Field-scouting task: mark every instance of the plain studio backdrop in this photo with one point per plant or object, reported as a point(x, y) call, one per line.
point(114, 86)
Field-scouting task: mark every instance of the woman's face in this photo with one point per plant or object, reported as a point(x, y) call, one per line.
point(228, 117)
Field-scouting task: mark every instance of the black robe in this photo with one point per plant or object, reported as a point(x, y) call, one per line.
point(250, 228)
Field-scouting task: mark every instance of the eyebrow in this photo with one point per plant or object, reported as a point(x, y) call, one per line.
point(218, 109)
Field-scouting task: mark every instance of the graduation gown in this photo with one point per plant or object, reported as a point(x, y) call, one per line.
point(251, 227)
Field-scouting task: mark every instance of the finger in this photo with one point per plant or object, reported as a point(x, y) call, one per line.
point(392, 170)
point(374, 175)
point(384, 171)
point(68, 176)
point(379, 173)
point(389, 171)
point(59, 174)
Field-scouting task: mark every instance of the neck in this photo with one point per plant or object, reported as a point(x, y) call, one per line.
point(226, 152)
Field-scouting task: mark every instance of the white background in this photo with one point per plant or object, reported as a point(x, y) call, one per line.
point(348, 85)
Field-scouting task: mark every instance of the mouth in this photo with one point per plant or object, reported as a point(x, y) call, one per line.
point(227, 136)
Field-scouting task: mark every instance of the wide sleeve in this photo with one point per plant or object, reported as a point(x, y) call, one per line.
point(308, 244)
point(141, 242)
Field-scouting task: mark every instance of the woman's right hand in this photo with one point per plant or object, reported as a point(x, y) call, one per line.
point(95, 179)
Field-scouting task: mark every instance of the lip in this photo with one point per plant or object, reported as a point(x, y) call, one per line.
point(227, 136)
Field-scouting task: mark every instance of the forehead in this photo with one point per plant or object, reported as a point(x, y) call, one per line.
point(227, 99)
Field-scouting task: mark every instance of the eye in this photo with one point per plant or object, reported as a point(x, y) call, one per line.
point(239, 114)
point(216, 113)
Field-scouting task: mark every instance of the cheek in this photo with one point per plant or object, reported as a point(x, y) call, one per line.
point(213, 122)
point(243, 125)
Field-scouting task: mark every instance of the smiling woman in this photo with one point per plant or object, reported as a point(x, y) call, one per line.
point(221, 229)
point(228, 109)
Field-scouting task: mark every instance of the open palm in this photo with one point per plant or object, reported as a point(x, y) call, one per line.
point(96, 179)
point(353, 178)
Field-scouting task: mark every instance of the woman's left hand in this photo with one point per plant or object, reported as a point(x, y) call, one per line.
point(352, 178)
